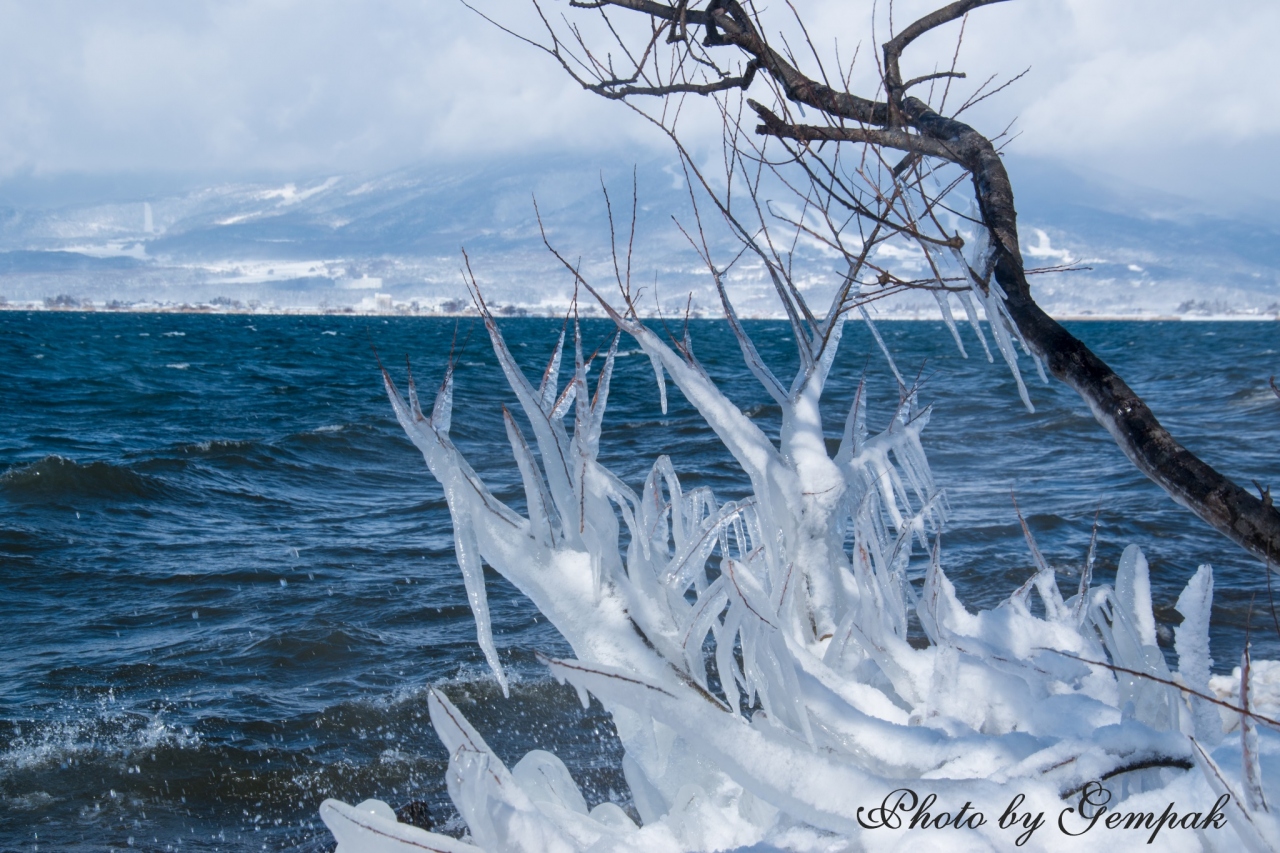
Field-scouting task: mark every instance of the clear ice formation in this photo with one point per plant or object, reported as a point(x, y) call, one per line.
point(754, 654)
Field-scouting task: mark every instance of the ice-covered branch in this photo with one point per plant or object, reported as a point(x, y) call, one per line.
point(756, 655)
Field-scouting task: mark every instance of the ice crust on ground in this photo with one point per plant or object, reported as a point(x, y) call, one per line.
point(754, 654)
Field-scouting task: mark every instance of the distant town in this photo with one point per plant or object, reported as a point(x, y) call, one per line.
point(378, 304)
point(382, 304)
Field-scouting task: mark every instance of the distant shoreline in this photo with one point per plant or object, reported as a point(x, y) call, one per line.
point(589, 311)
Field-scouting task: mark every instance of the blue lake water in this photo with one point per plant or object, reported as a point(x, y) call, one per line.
point(226, 577)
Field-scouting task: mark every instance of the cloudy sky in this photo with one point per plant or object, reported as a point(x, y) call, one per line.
point(1172, 93)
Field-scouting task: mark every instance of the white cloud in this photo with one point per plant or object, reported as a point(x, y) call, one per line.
point(1167, 92)
point(241, 85)
point(1173, 93)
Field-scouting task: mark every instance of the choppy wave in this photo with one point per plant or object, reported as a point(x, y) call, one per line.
point(218, 445)
point(259, 780)
point(56, 478)
point(112, 734)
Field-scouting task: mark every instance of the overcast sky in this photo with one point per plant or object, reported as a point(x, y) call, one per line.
point(1174, 93)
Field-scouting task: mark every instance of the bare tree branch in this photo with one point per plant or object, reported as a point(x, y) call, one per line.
point(890, 198)
point(937, 75)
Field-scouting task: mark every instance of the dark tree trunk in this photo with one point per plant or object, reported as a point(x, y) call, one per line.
point(1248, 520)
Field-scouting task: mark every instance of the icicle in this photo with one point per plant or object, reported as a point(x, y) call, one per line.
point(551, 378)
point(1191, 641)
point(972, 313)
point(600, 401)
point(660, 376)
point(790, 298)
point(468, 554)
point(564, 401)
point(934, 596)
point(442, 411)
point(855, 426)
point(369, 827)
point(752, 358)
point(1086, 574)
point(537, 498)
point(1257, 832)
point(1133, 592)
point(866, 316)
point(1254, 800)
point(989, 293)
point(1044, 580)
point(999, 322)
point(1017, 333)
point(414, 406)
point(699, 621)
point(553, 443)
point(944, 306)
point(693, 555)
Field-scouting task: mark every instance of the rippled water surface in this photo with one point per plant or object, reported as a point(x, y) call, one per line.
point(226, 577)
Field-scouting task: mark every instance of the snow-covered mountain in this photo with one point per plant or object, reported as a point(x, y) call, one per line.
point(334, 241)
point(1148, 252)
